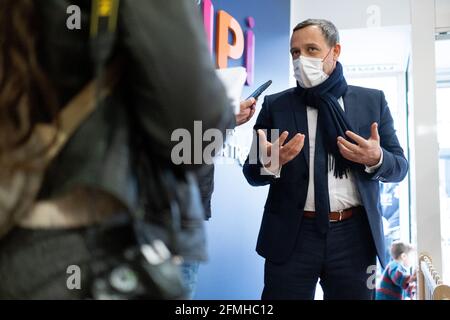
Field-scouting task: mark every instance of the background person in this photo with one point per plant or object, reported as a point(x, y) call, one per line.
point(397, 283)
point(205, 178)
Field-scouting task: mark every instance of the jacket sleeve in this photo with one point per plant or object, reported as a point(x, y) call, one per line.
point(399, 278)
point(169, 72)
point(395, 166)
point(253, 167)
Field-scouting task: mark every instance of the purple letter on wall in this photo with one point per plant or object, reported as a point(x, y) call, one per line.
point(250, 51)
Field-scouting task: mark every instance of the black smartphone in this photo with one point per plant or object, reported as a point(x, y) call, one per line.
point(260, 90)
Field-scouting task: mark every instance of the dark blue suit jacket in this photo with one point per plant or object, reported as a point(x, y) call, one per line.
point(287, 195)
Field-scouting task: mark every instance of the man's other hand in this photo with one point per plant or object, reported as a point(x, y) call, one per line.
point(366, 152)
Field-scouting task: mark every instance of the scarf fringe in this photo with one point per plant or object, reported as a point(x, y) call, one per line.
point(340, 171)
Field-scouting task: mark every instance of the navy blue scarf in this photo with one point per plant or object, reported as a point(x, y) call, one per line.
point(324, 97)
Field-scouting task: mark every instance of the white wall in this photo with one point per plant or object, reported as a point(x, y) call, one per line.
point(352, 14)
point(443, 15)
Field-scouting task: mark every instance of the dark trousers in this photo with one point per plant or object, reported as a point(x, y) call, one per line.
point(340, 259)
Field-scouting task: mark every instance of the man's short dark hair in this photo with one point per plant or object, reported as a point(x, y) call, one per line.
point(329, 30)
point(397, 248)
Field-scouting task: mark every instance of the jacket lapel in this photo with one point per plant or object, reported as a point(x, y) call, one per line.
point(351, 108)
point(301, 122)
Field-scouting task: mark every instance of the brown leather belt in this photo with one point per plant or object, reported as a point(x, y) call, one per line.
point(336, 216)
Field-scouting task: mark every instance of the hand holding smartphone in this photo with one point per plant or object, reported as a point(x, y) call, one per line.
point(260, 90)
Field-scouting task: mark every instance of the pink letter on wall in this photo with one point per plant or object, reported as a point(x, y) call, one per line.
point(250, 51)
point(208, 21)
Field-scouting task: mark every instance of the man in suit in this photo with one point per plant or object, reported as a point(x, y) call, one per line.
point(322, 217)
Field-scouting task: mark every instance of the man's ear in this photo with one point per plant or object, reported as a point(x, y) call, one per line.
point(336, 52)
point(403, 256)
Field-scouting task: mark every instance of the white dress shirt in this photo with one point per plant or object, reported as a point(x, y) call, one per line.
point(343, 192)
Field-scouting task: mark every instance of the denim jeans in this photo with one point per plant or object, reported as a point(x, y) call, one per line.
point(189, 271)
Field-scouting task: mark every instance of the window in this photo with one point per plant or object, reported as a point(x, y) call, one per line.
point(443, 132)
point(443, 114)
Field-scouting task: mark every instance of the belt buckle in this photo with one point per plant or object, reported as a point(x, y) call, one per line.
point(341, 215)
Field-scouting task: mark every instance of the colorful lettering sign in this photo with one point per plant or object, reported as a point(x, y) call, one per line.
point(226, 24)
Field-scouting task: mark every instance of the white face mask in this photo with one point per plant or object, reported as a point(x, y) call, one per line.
point(309, 71)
